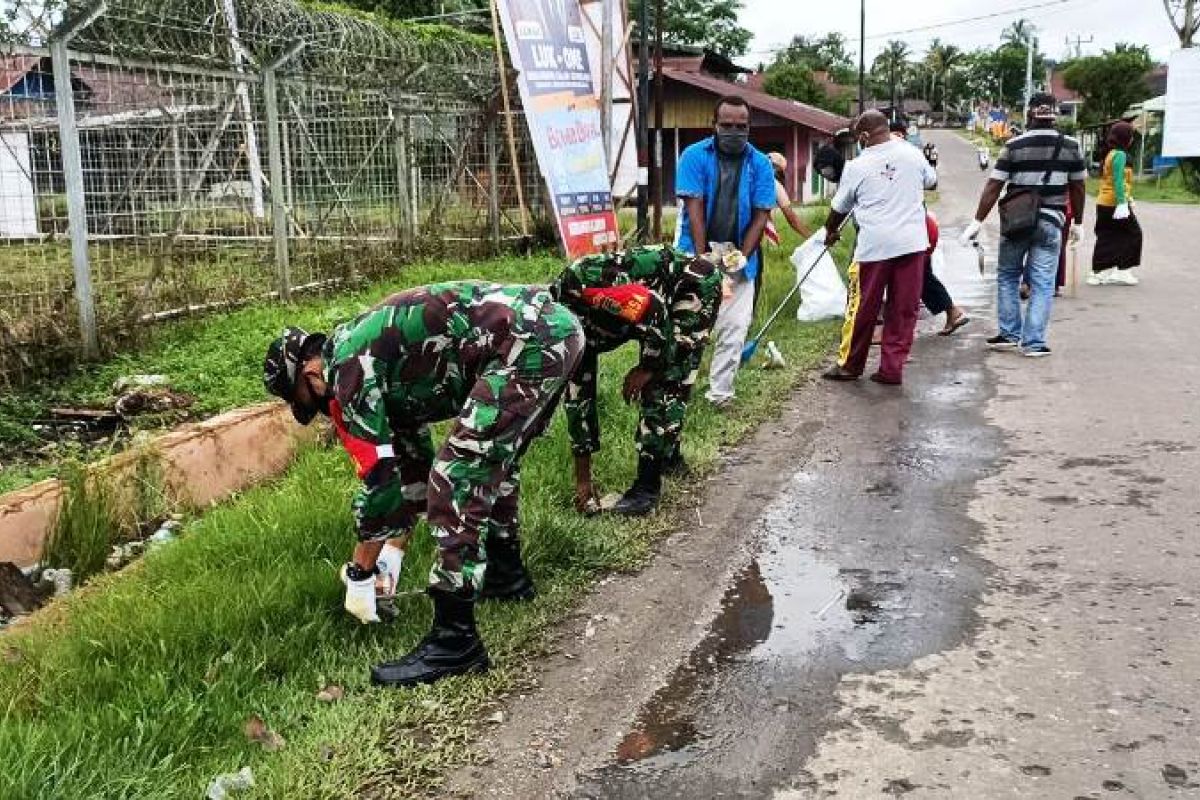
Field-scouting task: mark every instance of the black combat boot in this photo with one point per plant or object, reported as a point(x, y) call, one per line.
point(505, 577)
point(642, 497)
point(674, 465)
point(452, 647)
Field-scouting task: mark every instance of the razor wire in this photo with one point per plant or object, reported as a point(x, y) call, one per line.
point(386, 138)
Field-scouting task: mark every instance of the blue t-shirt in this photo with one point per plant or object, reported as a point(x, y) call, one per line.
point(697, 176)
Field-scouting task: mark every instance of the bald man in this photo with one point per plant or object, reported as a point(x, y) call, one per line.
point(885, 189)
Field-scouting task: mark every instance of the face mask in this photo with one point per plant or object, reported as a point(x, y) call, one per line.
point(732, 143)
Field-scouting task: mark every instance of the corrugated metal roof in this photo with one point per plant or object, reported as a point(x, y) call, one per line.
point(790, 110)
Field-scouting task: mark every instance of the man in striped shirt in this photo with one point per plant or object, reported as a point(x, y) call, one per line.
point(1050, 164)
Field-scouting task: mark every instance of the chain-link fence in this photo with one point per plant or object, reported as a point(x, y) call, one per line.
point(211, 152)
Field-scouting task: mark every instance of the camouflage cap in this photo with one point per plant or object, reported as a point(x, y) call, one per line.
point(282, 364)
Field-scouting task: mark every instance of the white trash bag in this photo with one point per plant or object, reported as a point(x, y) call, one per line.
point(823, 294)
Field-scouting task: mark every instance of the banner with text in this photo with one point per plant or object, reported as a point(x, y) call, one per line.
point(1181, 136)
point(548, 49)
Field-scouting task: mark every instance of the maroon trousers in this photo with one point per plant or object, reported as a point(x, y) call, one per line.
point(901, 279)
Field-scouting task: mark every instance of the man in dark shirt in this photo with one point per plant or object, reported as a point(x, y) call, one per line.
point(1051, 164)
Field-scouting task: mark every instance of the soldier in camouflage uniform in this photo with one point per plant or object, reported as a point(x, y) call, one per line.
point(495, 359)
point(667, 302)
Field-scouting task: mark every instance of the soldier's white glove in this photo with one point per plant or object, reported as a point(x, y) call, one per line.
point(971, 233)
point(1121, 211)
point(360, 597)
point(1075, 237)
point(390, 560)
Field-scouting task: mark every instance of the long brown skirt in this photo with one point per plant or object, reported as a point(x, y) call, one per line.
point(1118, 241)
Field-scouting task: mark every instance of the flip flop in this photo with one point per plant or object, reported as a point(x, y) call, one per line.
point(958, 323)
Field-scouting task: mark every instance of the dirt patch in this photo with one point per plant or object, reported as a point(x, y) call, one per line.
point(591, 687)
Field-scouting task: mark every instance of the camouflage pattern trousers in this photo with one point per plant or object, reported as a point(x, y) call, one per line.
point(474, 483)
point(663, 405)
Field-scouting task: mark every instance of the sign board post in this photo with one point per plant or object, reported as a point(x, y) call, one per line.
point(548, 48)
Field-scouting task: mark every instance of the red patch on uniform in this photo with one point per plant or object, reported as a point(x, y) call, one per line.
point(365, 455)
point(629, 302)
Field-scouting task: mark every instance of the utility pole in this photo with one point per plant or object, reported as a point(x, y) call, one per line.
point(658, 120)
point(1030, 44)
point(643, 132)
point(862, 56)
point(1079, 42)
point(606, 80)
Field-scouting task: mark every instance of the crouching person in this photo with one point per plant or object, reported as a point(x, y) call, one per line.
point(667, 302)
point(495, 359)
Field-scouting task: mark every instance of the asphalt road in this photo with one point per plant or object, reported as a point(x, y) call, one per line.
point(980, 585)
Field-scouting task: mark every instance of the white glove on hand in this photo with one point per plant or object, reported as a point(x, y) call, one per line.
point(1121, 211)
point(360, 598)
point(1076, 235)
point(390, 560)
point(971, 233)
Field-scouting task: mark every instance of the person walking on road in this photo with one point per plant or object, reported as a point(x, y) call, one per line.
point(492, 358)
point(934, 295)
point(1118, 247)
point(728, 191)
point(665, 301)
point(1041, 168)
point(884, 187)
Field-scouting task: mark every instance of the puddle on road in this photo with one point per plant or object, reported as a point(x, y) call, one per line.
point(666, 723)
point(779, 607)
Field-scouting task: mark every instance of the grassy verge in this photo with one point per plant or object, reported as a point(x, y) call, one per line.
point(1168, 189)
point(139, 685)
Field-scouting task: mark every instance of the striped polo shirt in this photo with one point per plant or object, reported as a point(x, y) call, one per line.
point(1023, 163)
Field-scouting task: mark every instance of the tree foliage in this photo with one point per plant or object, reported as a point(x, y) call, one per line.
point(826, 54)
point(794, 82)
point(406, 9)
point(790, 74)
point(1111, 82)
point(711, 24)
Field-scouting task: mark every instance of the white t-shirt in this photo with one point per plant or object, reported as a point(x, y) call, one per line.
point(885, 189)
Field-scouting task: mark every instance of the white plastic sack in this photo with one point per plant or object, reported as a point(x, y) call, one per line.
point(822, 295)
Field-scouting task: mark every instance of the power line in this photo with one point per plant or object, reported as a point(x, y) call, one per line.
point(936, 25)
point(964, 20)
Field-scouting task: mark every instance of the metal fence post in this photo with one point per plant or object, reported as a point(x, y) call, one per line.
point(72, 160)
point(400, 126)
point(493, 157)
point(279, 206)
point(279, 229)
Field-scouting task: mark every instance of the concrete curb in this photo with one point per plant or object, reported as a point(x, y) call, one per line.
point(201, 464)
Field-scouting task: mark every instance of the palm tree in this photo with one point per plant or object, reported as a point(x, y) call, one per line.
point(940, 59)
point(1018, 33)
point(891, 66)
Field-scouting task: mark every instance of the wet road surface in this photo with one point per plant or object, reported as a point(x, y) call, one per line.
point(866, 562)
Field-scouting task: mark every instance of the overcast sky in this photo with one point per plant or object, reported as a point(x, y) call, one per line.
point(1105, 21)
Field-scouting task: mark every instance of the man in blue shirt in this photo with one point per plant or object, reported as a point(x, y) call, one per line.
point(728, 190)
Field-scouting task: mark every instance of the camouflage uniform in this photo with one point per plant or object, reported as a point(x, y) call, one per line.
point(493, 358)
point(671, 317)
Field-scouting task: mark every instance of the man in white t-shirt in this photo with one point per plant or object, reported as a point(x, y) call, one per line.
point(885, 189)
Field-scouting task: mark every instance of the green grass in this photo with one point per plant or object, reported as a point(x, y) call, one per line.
point(1168, 189)
point(138, 685)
